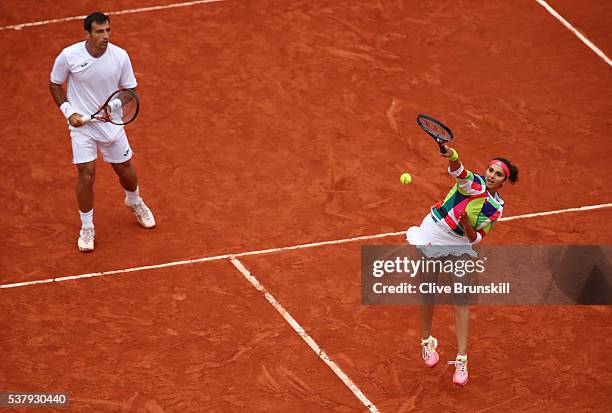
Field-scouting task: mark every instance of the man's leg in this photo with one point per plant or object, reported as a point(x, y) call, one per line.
point(85, 198)
point(129, 181)
point(127, 175)
point(85, 184)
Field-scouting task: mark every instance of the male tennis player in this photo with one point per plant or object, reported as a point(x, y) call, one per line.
point(94, 69)
point(461, 220)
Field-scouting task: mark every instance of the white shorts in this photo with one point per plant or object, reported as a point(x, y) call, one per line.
point(85, 147)
point(434, 240)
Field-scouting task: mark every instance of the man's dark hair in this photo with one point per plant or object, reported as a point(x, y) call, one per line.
point(97, 17)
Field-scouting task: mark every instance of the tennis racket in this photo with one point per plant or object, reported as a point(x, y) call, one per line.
point(436, 129)
point(120, 108)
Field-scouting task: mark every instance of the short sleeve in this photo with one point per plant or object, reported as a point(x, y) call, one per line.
point(60, 71)
point(128, 80)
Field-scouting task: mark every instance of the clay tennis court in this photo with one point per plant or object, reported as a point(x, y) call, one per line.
point(271, 124)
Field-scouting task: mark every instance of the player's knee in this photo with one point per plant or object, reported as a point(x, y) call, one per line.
point(125, 170)
point(87, 178)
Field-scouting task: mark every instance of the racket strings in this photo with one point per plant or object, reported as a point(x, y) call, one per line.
point(128, 109)
point(436, 129)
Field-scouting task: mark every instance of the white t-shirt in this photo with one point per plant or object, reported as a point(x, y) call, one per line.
point(92, 80)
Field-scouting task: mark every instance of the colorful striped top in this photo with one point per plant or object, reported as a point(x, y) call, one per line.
point(469, 193)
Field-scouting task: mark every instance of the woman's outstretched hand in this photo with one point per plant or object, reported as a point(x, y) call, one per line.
point(447, 153)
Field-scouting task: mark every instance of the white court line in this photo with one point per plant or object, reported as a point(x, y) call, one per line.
point(129, 11)
point(559, 211)
point(576, 32)
point(273, 250)
point(305, 336)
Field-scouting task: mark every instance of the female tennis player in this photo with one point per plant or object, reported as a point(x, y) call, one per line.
point(453, 226)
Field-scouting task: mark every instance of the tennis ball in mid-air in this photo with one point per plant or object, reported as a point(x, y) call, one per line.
point(405, 178)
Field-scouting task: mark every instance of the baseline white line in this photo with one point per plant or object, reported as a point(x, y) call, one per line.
point(576, 32)
point(305, 336)
point(115, 272)
point(274, 250)
point(559, 211)
point(128, 11)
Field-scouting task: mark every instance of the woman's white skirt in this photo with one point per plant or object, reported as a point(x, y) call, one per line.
point(436, 240)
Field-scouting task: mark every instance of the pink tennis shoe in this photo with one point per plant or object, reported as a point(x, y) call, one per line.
point(460, 377)
point(430, 355)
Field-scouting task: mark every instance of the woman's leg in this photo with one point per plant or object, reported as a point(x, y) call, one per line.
point(428, 342)
point(462, 320)
point(427, 310)
point(428, 302)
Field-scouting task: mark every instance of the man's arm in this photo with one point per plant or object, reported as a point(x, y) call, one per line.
point(58, 93)
point(59, 96)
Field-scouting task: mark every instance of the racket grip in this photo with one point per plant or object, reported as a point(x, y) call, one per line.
point(442, 150)
point(85, 119)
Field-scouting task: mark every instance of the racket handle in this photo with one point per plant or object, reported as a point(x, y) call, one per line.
point(442, 150)
point(85, 119)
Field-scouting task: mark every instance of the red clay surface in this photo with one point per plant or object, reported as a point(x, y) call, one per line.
point(202, 336)
point(524, 358)
point(591, 19)
point(267, 124)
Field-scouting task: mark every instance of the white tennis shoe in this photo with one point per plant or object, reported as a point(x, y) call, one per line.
point(86, 239)
point(143, 213)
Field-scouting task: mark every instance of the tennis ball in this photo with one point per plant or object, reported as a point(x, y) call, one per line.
point(405, 178)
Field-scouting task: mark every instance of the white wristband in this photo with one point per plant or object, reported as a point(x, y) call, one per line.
point(66, 109)
point(478, 238)
point(115, 104)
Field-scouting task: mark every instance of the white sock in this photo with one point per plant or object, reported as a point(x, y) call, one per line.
point(461, 358)
point(133, 197)
point(86, 219)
